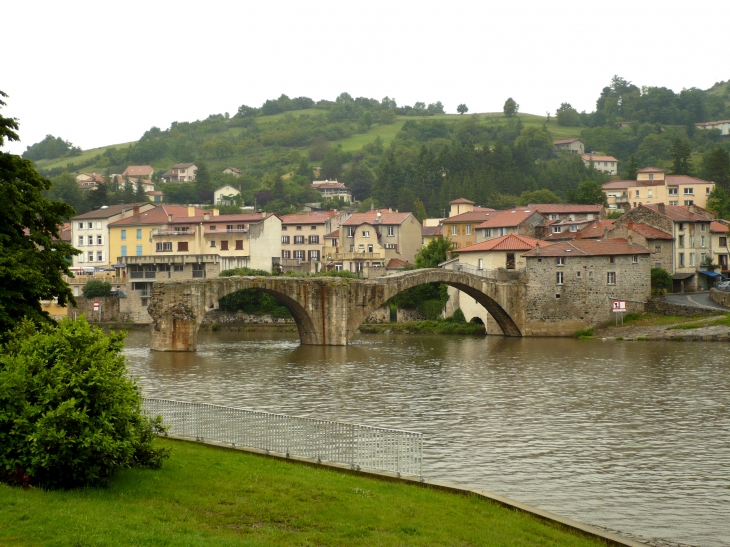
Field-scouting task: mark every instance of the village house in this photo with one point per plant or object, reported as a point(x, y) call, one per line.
point(225, 195)
point(369, 240)
point(484, 259)
point(89, 181)
point(574, 146)
point(721, 125)
point(232, 171)
point(565, 218)
point(155, 196)
point(429, 233)
point(689, 228)
point(578, 280)
point(719, 245)
point(521, 221)
point(303, 237)
point(180, 172)
point(139, 172)
point(652, 186)
point(90, 234)
point(331, 189)
point(464, 217)
point(607, 164)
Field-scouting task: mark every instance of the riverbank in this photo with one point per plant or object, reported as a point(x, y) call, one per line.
point(423, 327)
point(654, 327)
point(206, 495)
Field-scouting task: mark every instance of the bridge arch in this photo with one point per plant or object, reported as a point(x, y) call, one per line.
point(479, 288)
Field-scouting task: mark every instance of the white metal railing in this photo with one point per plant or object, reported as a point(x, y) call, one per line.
point(359, 446)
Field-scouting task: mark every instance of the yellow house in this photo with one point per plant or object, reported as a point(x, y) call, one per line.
point(132, 236)
point(652, 186)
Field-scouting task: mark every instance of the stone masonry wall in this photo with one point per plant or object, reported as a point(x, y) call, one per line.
point(721, 297)
point(224, 317)
point(109, 309)
point(584, 298)
point(661, 306)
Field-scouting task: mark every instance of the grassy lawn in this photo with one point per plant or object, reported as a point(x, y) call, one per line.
point(655, 319)
point(213, 496)
point(82, 158)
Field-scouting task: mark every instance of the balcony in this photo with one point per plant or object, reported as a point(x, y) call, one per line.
point(356, 256)
point(166, 232)
point(143, 275)
point(198, 273)
point(146, 293)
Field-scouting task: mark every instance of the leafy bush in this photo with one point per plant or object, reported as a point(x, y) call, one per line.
point(583, 333)
point(661, 281)
point(243, 271)
point(97, 288)
point(431, 309)
point(281, 312)
point(458, 316)
point(70, 415)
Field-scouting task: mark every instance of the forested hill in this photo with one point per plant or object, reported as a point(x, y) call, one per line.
point(395, 154)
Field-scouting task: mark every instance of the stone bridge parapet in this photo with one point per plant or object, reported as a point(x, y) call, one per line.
point(327, 310)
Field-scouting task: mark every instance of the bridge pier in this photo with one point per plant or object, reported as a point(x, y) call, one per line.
point(327, 311)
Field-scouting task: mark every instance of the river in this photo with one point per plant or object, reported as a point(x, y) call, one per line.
point(634, 436)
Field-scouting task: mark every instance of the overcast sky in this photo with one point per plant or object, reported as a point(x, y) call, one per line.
point(99, 73)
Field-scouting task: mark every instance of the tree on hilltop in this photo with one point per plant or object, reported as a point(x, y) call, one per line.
point(462, 109)
point(510, 108)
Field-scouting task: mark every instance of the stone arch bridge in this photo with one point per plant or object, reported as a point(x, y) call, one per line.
point(327, 310)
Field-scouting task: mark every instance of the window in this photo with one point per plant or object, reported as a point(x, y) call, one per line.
point(707, 191)
point(285, 240)
point(91, 257)
point(560, 261)
point(703, 258)
point(702, 241)
point(81, 241)
point(481, 264)
point(637, 194)
point(299, 255)
point(559, 278)
point(241, 227)
point(468, 229)
point(574, 228)
point(673, 191)
point(81, 226)
point(284, 228)
point(162, 247)
point(224, 245)
point(553, 217)
point(314, 227)
point(510, 261)
point(182, 246)
point(91, 240)
point(673, 202)
point(352, 248)
point(212, 242)
point(366, 233)
point(177, 268)
point(314, 240)
point(391, 230)
point(689, 202)
point(100, 240)
point(390, 246)
point(350, 231)
point(501, 231)
point(139, 233)
point(691, 240)
point(651, 176)
point(691, 259)
point(453, 230)
point(138, 250)
point(239, 245)
point(453, 246)
point(299, 227)
point(657, 248)
point(314, 256)
point(610, 278)
point(651, 194)
point(487, 232)
point(681, 260)
point(229, 228)
point(334, 242)
point(689, 191)
point(124, 250)
point(124, 235)
point(89, 225)
point(370, 248)
point(100, 256)
point(212, 228)
point(556, 229)
point(681, 241)
point(634, 259)
point(703, 227)
point(298, 240)
point(285, 254)
point(723, 241)
point(590, 274)
point(612, 259)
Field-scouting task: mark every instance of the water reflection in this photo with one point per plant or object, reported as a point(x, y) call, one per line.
point(628, 435)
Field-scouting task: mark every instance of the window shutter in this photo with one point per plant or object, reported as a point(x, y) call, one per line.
point(81, 258)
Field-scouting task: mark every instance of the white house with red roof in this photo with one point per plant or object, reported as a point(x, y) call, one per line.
point(574, 146)
point(607, 164)
point(139, 171)
point(331, 189)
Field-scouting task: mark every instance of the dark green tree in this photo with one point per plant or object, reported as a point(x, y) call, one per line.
point(203, 183)
point(433, 254)
point(99, 196)
point(331, 164)
point(681, 153)
point(303, 169)
point(510, 108)
point(568, 116)
point(96, 288)
point(538, 196)
point(419, 210)
point(140, 194)
point(587, 193)
point(66, 189)
point(462, 109)
point(716, 167)
point(126, 194)
point(632, 168)
point(8, 126)
point(719, 202)
point(33, 259)
point(661, 281)
point(406, 198)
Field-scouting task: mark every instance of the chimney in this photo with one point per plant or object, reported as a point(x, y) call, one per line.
point(216, 211)
point(191, 211)
point(630, 226)
point(661, 208)
point(135, 211)
point(579, 234)
point(692, 209)
point(537, 248)
point(206, 216)
point(605, 233)
point(630, 240)
point(170, 218)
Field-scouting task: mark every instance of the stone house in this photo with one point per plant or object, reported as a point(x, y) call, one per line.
point(574, 282)
point(303, 237)
point(690, 230)
point(521, 221)
point(719, 245)
point(574, 146)
point(607, 164)
point(372, 239)
point(561, 218)
point(661, 244)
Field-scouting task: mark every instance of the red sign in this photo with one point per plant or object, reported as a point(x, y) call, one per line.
point(619, 305)
point(96, 305)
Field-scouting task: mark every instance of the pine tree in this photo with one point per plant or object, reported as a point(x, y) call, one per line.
point(633, 167)
point(681, 152)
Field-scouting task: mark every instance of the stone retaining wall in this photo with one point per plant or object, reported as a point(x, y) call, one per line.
point(661, 306)
point(720, 297)
point(109, 309)
point(225, 318)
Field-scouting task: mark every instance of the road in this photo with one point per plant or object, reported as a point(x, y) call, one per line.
point(696, 299)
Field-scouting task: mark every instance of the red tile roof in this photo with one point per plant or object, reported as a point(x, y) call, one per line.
point(396, 264)
point(718, 227)
point(138, 171)
point(158, 215)
point(333, 235)
point(109, 211)
point(242, 218)
point(649, 232)
point(315, 217)
point(650, 169)
point(472, 216)
point(596, 229)
point(371, 217)
point(589, 247)
point(461, 200)
point(510, 242)
point(431, 231)
point(566, 141)
point(507, 219)
point(589, 157)
point(557, 208)
point(684, 179)
point(182, 165)
point(678, 213)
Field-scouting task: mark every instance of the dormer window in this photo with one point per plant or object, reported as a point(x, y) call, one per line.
point(651, 176)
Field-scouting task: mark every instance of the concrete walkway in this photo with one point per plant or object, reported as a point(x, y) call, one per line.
point(696, 299)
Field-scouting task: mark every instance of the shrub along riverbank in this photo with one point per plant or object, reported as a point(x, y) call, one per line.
point(219, 497)
point(423, 327)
